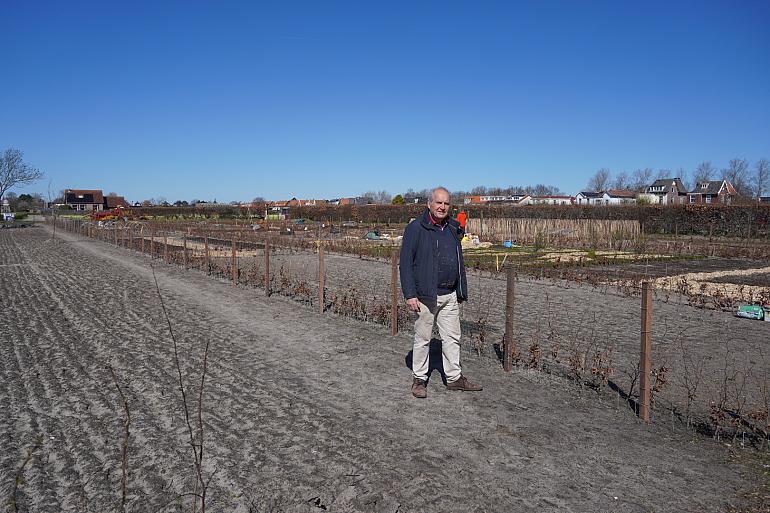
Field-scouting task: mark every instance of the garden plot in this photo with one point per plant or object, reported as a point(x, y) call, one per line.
point(300, 411)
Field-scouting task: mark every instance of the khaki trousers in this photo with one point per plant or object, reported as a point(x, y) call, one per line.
point(447, 318)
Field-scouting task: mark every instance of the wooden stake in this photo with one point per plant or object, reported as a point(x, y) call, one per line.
point(646, 353)
point(206, 254)
point(184, 251)
point(234, 265)
point(321, 279)
point(165, 247)
point(509, 346)
point(394, 293)
point(267, 267)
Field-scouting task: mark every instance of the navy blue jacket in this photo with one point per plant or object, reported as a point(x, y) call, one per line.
point(419, 272)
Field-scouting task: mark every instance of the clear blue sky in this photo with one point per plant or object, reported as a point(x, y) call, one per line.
point(232, 100)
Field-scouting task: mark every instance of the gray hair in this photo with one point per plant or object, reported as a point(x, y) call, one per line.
point(433, 192)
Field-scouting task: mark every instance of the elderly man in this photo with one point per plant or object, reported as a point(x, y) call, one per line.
point(433, 281)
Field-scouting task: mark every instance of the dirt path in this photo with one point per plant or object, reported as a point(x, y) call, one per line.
point(302, 412)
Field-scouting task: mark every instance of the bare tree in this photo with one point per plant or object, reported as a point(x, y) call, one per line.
point(14, 171)
point(370, 194)
point(704, 172)
point(539, 190)
point(383, 198)
point(641, 178)
point(683, 175)
point(622, 181)
point(600, 180)
point(663, 173)
point(737, 173)
point(761, 177)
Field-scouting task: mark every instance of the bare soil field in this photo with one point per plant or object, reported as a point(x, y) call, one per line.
point(755, 279)
point(310, 412)
point(660, 269)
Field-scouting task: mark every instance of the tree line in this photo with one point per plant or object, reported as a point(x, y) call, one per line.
point(749, 181)
point(384, 198)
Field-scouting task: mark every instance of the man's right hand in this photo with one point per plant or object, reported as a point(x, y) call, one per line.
point(413, 304)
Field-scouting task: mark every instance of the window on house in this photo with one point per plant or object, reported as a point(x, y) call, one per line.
point(708, 199)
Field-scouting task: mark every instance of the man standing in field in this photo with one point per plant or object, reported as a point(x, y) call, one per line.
point(433, 281)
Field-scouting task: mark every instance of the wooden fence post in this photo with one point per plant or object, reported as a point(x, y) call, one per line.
point(321, 278)
point(141, 236)
point(267, 267)
point(646, 353)
point(184, 251)
point(165, 246)
point(508, 347)
point(234, 265)
point(394, 293)
point(152, 242)
point(206, 254)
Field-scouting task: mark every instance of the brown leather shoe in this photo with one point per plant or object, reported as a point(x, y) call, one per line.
point(464, 385)
point(418, 388)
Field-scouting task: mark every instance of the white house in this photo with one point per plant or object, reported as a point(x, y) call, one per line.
point(517, 199)
point(552, 200)
point(588, 198)
point(618, 197)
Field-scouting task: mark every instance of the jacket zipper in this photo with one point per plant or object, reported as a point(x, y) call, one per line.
point(459, 272)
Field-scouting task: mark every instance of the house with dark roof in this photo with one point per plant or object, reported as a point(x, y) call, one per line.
point(668, 191)
point(84, 199)
point(412, 199)
point(712, 191)
point(588, 198)
point(111, 202)
point(618, 197)
point(93, 200)
point(358, 200)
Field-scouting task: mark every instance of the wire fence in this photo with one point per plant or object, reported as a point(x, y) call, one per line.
point(708, 370)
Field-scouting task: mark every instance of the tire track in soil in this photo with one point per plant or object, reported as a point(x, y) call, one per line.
point(35, 417)
point(326, 412)
point(107, 403)
point(67, 455)
point(109, 408)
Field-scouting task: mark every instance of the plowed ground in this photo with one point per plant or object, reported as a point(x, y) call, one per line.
point(301, 412)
